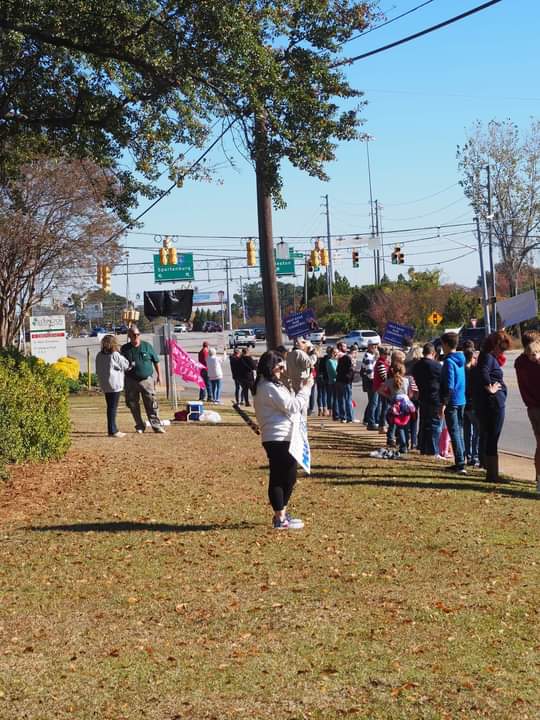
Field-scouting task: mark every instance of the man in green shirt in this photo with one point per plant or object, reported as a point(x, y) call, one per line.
point(140, 380)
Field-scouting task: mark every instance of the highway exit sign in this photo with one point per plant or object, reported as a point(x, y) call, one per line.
point(183, 270)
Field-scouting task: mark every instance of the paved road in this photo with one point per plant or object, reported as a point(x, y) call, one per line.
point(517, 435)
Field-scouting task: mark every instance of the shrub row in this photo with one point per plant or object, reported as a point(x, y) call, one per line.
point(34, 414)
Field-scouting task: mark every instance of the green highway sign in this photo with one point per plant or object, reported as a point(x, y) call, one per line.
point(183, 270)
point(296, 255)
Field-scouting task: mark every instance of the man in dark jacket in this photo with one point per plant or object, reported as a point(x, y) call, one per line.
point(453, 397)
point(344, 379)
point(234, 360)
point(427, 374)
point(246, 374)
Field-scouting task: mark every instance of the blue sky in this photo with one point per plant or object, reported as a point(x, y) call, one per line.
point(422, 98)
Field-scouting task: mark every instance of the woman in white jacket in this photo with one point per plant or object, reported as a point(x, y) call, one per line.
point(214, 364)
point(110, 369)
point(275, 408)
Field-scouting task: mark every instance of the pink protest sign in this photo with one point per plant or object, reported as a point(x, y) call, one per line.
point(182, 364)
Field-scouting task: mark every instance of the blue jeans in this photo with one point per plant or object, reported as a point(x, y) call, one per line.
point(471, 436)
point(371, 416)
point(430, 430)
point(383, 408)
point(208, 394)
point(322, 395)
point(344, 401)
point(453, 415)
point(112, 399)
point(215, 387)
point(331, 398)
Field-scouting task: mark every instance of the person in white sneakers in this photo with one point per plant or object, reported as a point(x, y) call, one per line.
point(110, 370)
point(276, 408)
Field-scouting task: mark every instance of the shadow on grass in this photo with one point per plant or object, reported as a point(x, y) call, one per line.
point(477, 486)
point(131, 526)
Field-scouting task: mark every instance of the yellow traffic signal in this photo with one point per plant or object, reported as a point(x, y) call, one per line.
point(315, 258)
point(99, 274)
point(172, 256)
point(325, 257)
point(398, 258)
point(106, 278)
point(355, 259)
point(163, 256)
point(251, 254)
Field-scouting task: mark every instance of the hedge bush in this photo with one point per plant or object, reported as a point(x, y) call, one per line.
point(34, 413)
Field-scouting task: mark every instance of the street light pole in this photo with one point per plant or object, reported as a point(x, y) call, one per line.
point(493, 298)
point(485, 303)
point(330, 268)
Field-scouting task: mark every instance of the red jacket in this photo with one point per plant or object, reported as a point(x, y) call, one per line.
point(380, 372)
point(528, 377)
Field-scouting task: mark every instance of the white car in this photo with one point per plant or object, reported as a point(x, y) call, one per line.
point(181, 328)
point(242, 338)
point(361, 338)
point(316, 336)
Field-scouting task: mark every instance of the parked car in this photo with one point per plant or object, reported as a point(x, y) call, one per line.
point(260, 333)
point(211, 326)
point(120, 329)
point(242, 338)
point(317, 336)
point(361, 338)
point(180, 328)
point(98, 331)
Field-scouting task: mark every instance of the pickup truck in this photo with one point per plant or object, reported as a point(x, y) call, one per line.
point(242, 338)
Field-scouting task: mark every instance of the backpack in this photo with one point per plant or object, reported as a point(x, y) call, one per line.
point(400, 411)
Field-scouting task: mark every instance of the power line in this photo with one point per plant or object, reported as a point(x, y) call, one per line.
point(426, 197)
point(407, 39)
point(387, 22)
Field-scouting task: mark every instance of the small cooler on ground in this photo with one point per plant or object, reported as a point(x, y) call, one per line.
point(195, 410)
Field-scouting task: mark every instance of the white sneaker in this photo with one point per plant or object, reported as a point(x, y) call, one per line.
point(119, 434)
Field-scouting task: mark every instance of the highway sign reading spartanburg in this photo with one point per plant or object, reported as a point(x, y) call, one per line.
point(183, 270)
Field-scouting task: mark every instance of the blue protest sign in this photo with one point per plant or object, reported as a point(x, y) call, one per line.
point(300, 323)
point(399, 335)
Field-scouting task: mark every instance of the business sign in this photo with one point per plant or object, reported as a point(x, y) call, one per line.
point(48, 337)
point(300, 323)
point(398, 335)
point(212, 298)
point(517, 309)
point(183, 270)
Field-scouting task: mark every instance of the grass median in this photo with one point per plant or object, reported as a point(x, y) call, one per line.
point(140, 578)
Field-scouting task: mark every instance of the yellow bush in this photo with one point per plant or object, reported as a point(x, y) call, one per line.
point(68, 366)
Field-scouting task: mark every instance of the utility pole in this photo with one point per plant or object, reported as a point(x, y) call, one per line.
point(330, 268)
point(229, 303)
point(371, 211)
point(493, 298)
point(305, 281)
point(485, 304)
point(127, 279)
point(266, 243)
point(243, 303)
point(378, 264)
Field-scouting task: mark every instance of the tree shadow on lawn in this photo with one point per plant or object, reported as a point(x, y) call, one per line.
point(415, 483)
point(132, 526)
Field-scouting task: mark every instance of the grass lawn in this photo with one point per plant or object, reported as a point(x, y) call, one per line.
point(139, 578)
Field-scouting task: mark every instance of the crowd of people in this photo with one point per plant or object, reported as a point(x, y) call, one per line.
point(428, 399)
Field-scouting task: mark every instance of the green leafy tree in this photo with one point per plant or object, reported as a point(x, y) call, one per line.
point(103, 80)
point(461, 306)
point(514, 161)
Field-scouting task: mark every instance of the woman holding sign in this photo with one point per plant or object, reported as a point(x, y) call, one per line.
point(279, 414)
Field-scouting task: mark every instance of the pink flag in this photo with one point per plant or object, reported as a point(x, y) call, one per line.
point(182, 364)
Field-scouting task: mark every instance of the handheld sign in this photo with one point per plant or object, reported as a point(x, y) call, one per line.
point(399, 335)
point(300, 323)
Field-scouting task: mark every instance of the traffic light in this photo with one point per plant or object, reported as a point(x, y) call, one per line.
point(99, 274)
point(251, 254)
point(106, 278)
point(172, 256)
point(315, 259)
point(163, 256)
point(309, 266)
point(398, 258)
point(355, 259)
point(325, 258)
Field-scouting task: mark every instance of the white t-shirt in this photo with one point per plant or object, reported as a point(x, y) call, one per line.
point(275, 407)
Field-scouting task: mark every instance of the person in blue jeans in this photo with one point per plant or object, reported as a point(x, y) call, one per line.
point(471, 434)
point(452, 395)
point(344, 379)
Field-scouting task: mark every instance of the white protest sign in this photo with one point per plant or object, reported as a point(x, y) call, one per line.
point(48, 337)
point(518, 309)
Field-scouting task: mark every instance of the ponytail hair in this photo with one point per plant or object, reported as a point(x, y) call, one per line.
point(398, 374)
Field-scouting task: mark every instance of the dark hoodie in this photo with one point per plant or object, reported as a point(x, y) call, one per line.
point(453, 379)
